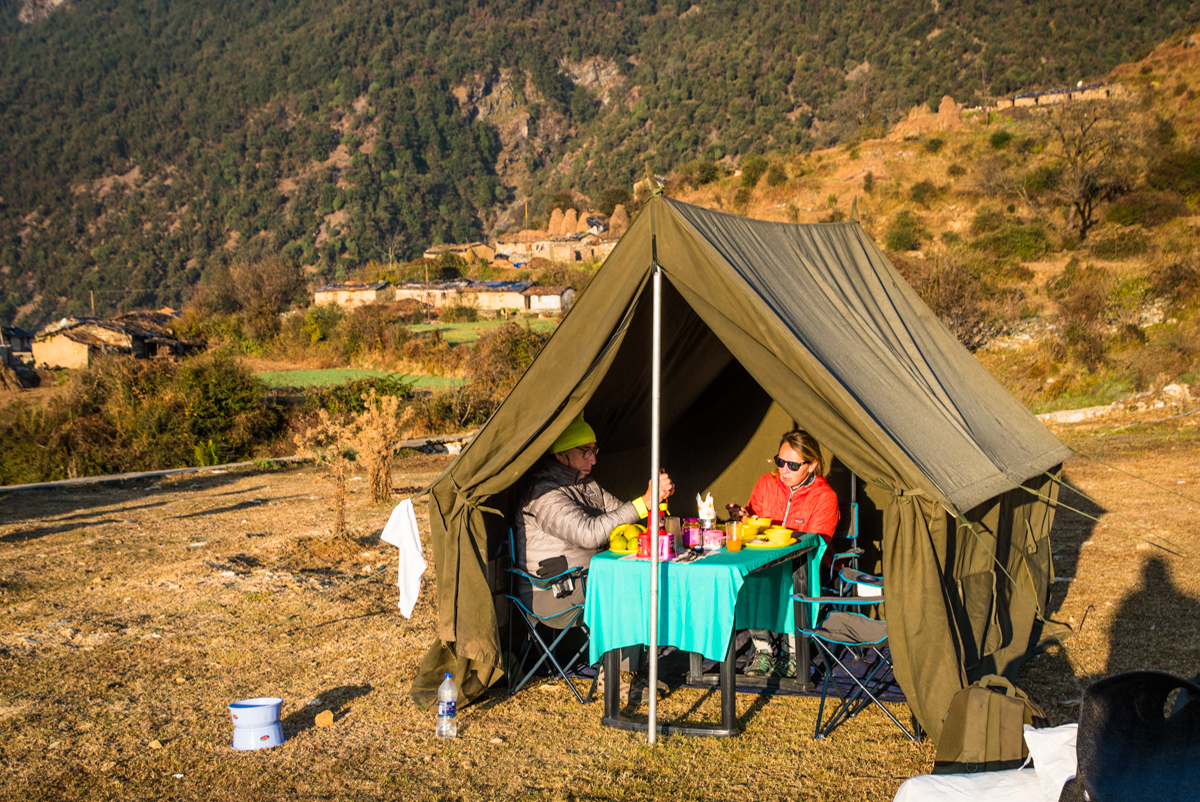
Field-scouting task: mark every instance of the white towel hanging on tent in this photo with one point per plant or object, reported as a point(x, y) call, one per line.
point(401, 531)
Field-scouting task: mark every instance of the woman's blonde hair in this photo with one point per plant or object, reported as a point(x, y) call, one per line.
point(806, 446)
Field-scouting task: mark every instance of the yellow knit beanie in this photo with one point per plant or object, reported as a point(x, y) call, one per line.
point(577, 434)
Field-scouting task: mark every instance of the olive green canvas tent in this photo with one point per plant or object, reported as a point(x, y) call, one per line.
point(764, 326)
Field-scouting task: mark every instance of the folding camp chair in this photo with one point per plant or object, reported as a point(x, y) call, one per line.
point(844, 638)
point(534, 639)
point(844, 547)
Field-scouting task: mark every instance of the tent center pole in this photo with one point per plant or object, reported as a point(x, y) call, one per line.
point(655, 397)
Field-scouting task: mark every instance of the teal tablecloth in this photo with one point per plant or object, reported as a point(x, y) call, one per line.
point(700, 603)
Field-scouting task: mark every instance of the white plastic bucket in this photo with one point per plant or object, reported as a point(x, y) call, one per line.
point(256, 712)
point(247, 738)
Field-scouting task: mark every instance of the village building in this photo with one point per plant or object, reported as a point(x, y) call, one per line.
point(435, 294)
point(16, 345)
point(562, 248)
point(548, 299)
point(497, 295)
point(471, 251)
point(1090, 92)
point(74, 342)
point(491, 296)
point(352, 295)
point(482, 295)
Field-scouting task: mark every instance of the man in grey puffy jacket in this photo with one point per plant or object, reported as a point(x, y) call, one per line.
point(566, 518)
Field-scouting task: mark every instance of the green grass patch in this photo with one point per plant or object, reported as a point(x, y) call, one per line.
point(463, 333)
point(331, 377)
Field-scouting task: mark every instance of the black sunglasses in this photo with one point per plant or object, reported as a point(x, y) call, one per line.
point(791, 466)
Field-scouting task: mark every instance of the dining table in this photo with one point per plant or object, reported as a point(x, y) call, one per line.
point(702, 605)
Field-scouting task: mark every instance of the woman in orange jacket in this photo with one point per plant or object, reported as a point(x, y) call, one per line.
point(797, 496)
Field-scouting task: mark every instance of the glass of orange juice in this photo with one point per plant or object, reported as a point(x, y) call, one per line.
point(733, 536)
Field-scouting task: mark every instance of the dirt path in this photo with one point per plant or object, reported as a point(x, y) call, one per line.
point(131, 615)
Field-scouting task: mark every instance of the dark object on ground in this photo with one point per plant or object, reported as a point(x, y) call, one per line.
point(1129, 747)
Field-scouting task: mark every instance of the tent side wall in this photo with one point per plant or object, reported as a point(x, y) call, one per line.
point(986, 572)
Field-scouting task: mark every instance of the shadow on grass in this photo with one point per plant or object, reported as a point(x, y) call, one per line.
point(336, 700)
point(105, 497)
point(1072, 528)
point(242, 505)
point(24, 535)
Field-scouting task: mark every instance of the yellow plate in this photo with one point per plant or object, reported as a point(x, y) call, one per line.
point(622, 551)
point(768, 545)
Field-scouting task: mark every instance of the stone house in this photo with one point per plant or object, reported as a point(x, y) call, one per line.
point(74, 341)
point(519, 296)
point(548, 299)
point(564, 248)
point(496, 295)
point(352, 295)
point(16, 345)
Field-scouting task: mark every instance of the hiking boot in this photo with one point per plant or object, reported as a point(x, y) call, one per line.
point(786, 667)
point(639, 691)
point(760, 665)
point(626, 682)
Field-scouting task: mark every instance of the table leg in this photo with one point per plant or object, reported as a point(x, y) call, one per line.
point(729, 689)
point(695, 667)
point(612, 684)
point(803, 654)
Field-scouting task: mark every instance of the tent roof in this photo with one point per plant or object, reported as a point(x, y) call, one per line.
point(884, 352)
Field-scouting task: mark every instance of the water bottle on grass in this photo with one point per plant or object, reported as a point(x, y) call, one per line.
point(447, 723)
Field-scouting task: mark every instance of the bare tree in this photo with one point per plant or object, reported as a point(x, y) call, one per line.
point(1096, 141)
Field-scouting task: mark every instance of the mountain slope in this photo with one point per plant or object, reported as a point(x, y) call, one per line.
point(144, 142)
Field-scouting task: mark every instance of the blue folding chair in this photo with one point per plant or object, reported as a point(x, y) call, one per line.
point(534, 639)
point(843, 638)
point(845, 548)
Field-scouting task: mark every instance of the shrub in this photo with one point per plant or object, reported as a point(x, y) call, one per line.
point(869, 182)
point(123, 414)
point(923, 192)
point(1040, 180)
point(321, 321)
point(1146, 209)
point(776, 174)
point(1000, 139)
point(1178, 171)
point(1014, 239)
point(934, 145)
point(753, 167)
point(501, 357)
point(904, 233)
point(373, 328)
point(612, 196)
point(699, 172)
point(459, 312)
point(955, 170)
point(1123, 243)
point(348, 397)
point(1178, 282)
point(986, 219)
point(1082, 295)
point(1030, 144)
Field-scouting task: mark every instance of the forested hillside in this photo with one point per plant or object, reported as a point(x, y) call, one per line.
point(145, 142)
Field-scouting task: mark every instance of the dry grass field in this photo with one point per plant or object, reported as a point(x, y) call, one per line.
point(133, 614)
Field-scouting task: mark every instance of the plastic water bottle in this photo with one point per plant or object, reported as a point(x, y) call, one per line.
point(447, 723)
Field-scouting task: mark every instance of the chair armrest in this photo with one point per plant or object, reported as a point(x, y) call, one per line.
point(838, 599)
point(543, 581)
